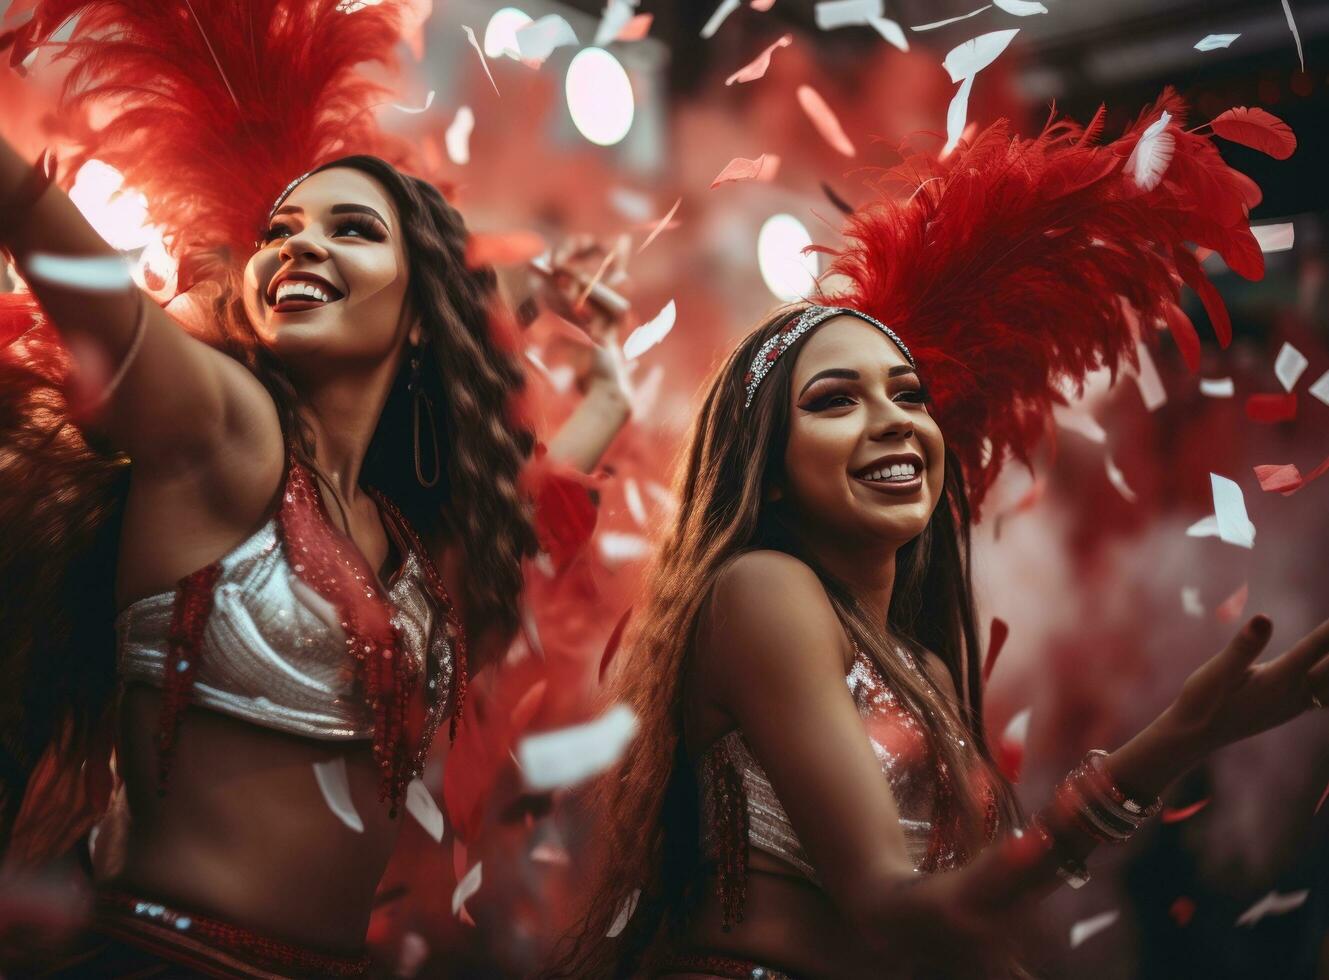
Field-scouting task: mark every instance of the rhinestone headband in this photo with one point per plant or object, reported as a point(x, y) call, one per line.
point(812, 317)
point(286, 191)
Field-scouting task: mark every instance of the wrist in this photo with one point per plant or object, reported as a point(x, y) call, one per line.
point(1165, 749)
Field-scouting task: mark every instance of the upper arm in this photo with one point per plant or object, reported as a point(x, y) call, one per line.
point(773, 651)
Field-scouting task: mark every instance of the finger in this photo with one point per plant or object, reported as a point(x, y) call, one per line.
point(1246, 645)
point(1310, 649)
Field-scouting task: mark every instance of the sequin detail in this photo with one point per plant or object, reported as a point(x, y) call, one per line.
point(193, 604)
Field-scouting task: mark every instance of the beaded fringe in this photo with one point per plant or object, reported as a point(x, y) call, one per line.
point(189, 617)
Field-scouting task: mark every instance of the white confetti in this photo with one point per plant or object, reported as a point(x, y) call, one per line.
point(1234, 526)
point(429, 100)
point(470, 36)
point(1092, 926)
point(1190, 601)
point(650, 333)
point(625, 910)
point(457, 139)
point(636, 506)
point(1212, 42)
point(1320, 389)
point(950, 20)
point(977, 53)
point(538, 39)
point(1274, 903)
point(1296, 35)
point(726, 8)
point(891, 31)
point(1217, 387)
point(412, 955)
point(1079, 421)
point(1288, 366)
point(468, 886)
point(1152, 392)
point(831, 14)
point(1152, 154)
point(420, 804)
point(336, 790)
point(1017, 729)
point(91, 274)
point(616, 15)
point(1205, 527)
point(1118, 480)
point(1020, 8)
point(1275, 237)
point(569, 756)
point(616, 547)
point(957, 114)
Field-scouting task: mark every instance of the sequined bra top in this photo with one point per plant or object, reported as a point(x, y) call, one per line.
point(309, 644)
point(735, 791)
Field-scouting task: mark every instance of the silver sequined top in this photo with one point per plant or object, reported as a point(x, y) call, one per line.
point(273, 652)
point(899, 742)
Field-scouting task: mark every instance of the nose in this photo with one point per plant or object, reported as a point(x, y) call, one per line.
point(890, 422)
point(303, 244)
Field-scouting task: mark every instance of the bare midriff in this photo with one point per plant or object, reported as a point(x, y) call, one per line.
point(789, 924)
point(243, 831)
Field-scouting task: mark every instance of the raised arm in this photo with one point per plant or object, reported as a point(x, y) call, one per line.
point(178, 399)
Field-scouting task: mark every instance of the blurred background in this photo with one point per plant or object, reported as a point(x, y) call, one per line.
point(580, 119)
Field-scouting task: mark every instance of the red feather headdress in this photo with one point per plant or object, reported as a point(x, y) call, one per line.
point(1015, 265)
point(218, 105)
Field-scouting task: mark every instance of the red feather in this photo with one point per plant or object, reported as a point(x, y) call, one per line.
point(1257, 129)
point(1016, 262)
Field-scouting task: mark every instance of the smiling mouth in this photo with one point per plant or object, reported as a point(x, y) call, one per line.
point(296, 295)
point(898, 480)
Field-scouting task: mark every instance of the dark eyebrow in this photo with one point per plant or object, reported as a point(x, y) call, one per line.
point(336, 209)
point(849, 375)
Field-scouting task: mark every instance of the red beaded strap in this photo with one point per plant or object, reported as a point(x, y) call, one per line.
point(192, 606)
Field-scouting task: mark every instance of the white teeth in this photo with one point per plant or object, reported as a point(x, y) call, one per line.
point(898, 472)
point(297, 289)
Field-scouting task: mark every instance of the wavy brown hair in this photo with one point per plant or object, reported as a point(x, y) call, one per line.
point(647, 812)
point(63, 494)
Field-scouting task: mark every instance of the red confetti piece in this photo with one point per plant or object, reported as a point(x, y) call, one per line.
point(507, 248)
point(1285, 477)
point(1323, 796)
point(661, 225)
point(636, 29)
point(740, 168)
point(1230, 608)
point(996, 639)
point(824, 119)
point(1272, 408)
point(611, 647)
point(757, 67)
point(761, 6)
point(1182, 911)
point(1257, 129)
point(1182, 813)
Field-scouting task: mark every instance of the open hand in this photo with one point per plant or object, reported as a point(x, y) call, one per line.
point(1230, 697)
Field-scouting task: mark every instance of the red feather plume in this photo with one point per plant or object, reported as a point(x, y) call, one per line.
point(219, 105)
point(1016, 263)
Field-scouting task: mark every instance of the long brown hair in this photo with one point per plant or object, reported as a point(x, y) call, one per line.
point(647, 813)
point(63, 494)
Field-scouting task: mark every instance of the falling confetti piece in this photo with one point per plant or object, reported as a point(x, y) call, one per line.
point(615, 638)
point(1184, 813)
point(757, 67)
point(1010, 748)
point(625, 910)
point(1152, 392)
point(1152, 154)
point(1190, 601)
point(97, 274)
point(1234, 526)
point(569, 756)
point(632, 497)
point(1212, 42)
point(420, 804)
point(950, 20)
point(832, 14)
point(764, 167)
point(470, 36)
point(957, 114)
point(336, 790)
point(977, 53)
point(1079, 420)
point(996, 640)
point(722, 12)
point(1229, 610)
point(615, 19)
point(429, 100)
point(1274, 903)
point(891, 31)
point(1182, 911)
point(1020, 8)
point(650, 333)
point(1296, 35)
point(1323, 796)
point(824, 119)
point(1118, 479)
point(660, 226)
point(1271, 408)
point(616, 547)
point(1278, 477)
point(1092, 926)
point(503, 248)
point(1274, 238)
point(468, 886)
point(1320, 390)
point(457, 139)
point(637, 28)
point(412, 955)
point(539, 39)
point(1217, 387)
point(1288, 366)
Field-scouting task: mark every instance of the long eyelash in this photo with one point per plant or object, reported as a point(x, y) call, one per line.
point(270, 233)
point(364, 224)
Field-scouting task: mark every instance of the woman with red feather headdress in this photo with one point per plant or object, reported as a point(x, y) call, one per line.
point(810, 792)
point(272, 533)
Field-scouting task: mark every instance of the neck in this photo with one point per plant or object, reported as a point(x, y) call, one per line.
point(342, 411)
point(867, 569)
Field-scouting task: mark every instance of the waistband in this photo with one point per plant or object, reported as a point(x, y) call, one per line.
point(212, 946)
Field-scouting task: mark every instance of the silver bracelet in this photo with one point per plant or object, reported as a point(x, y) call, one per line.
point(140, 328)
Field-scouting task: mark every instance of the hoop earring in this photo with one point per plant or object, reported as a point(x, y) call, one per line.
point(418, 397)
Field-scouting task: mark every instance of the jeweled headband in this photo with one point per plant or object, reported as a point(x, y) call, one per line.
point(813, 316)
